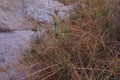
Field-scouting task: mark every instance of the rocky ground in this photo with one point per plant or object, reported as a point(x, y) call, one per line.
point(17, 19)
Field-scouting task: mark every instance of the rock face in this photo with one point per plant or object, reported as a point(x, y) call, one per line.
point(16, 19)
point(44, 9)
point(14, 14)
point(11, 45)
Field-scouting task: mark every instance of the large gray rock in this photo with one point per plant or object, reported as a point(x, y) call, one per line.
point(15, 13)
point(11, 14)
point(11, 45)
point(16, 19)
point(44, 9)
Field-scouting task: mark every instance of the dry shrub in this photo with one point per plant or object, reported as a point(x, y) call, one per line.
point(80, 49)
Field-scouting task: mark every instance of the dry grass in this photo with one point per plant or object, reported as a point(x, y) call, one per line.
point(66, 2)
point(80, 49)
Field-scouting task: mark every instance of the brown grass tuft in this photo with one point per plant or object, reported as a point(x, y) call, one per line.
point(80, 49)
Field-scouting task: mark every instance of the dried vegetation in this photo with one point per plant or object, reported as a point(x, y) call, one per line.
point(83, 48)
